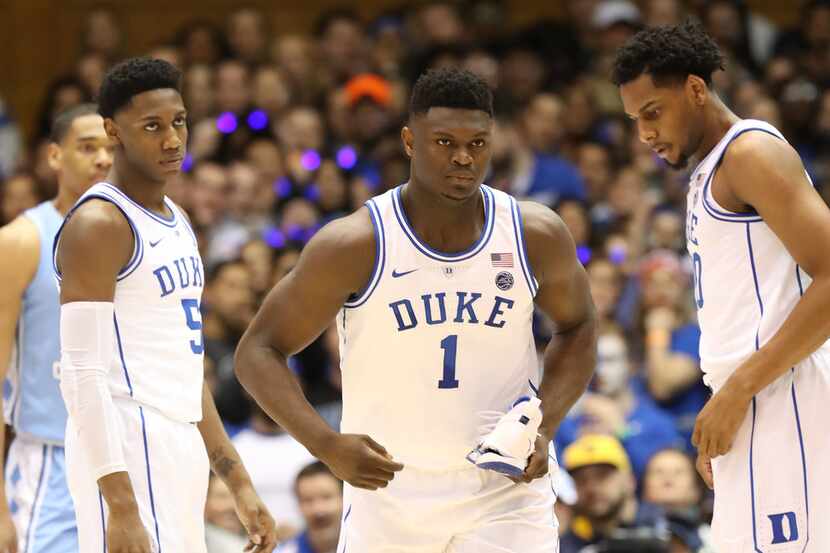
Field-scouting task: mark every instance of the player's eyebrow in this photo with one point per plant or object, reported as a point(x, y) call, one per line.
point(647, 105)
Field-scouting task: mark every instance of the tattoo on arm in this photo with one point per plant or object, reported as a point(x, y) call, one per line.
point(221, 463)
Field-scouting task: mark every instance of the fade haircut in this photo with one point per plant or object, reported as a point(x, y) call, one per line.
point(668, 54)
point(450, 88)
point(63, 121)
point(132, 77)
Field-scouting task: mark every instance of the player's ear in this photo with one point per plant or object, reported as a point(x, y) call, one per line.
point(408, 141)
point(696, 89)
point(112, 130)
point(54, 157)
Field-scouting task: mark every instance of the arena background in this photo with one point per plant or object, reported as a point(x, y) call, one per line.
point(257, 189)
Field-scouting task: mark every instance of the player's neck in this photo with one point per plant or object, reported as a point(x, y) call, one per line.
point(441, 225)
point(717, 120)
point(64, 201)
point(144, 191)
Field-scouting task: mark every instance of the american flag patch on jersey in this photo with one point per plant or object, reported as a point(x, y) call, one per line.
point(502, 259)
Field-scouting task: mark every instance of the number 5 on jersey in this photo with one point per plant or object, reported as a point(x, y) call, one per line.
point(194, 322)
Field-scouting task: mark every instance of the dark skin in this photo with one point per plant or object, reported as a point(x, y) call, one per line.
point(449, 150)
point(149, 134)
point(759, 172)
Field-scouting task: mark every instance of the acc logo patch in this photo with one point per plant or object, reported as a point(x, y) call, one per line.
point(504, 280)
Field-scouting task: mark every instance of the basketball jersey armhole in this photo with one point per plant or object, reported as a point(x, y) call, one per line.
point(138, 246)
point(524, 261)
point(358, 299)
point(710, 204)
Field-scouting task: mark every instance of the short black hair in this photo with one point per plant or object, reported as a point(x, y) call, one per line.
point(668, 53)
point(132, 77)
point(313, 469)
point(450, 88)
point(63, 121)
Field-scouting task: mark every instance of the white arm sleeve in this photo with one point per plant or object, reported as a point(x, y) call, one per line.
point(87, 348)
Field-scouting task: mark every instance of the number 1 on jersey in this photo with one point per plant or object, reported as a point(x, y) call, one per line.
point(450, 346)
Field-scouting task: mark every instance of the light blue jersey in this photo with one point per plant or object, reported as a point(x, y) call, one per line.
point(36, 489)
point(34, 406)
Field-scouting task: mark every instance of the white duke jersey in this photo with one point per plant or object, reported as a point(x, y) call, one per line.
point(438, 342)
point(746, 282)
point(158, 354)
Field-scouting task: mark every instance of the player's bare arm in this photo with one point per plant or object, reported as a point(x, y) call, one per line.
point(226, 464)
point(766, 173)
point(336, 263)
point(95, 244)
point(19, 250)
point(565, 297)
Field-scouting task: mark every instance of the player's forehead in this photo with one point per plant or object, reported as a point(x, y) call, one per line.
point(640, 93)
point(162, 103)
point(455, 121)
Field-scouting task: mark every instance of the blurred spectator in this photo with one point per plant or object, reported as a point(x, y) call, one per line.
point(262, 444)
point(90, 70)
point(198, 91)
point(10, 142)
point(612, 407)
point(672, 339)
point(607, 511)
point(247, 35)
point(102, 34)
point(671, 481)
point(319, 495)
point(19, 193)
point(224, 532)
point(344, 45)
point(200, 42)
point(62, 94)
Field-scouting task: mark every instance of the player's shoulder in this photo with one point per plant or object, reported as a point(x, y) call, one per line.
point(352, 233)
point(96, 225)
point(540, 223)
point(19, 248)
point(758, 149)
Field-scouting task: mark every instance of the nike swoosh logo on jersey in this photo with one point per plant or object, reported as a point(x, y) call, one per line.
point(154, 244)
point(396, 274)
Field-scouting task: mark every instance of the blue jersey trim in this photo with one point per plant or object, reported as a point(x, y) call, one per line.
point(37, 498)
point(803, 461)
point(171, 222)
point(518, 233)
point(18, 343)
point(728, 216)
point(798, 279)
point(755, 280)
point(489, 224)
point(752, 479)
point(138, 246)
point(149, 477)
point(121, 353)
point(380, 258)
point(103, 521)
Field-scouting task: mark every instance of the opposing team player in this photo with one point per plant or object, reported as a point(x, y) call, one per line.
point(140, 418)
point(757, 233)
point(36, 513)
point(433, 285)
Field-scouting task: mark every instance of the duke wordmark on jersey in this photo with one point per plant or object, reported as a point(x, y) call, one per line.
point(432, 310)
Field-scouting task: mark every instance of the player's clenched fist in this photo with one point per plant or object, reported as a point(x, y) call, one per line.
point(360, 461)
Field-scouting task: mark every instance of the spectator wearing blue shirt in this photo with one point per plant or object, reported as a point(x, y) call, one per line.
point(672, 339)
point(320, 497)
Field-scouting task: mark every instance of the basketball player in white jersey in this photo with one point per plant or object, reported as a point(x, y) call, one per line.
point(758, 233)
point(433, 285)
point(142, 429)
point(36, 512)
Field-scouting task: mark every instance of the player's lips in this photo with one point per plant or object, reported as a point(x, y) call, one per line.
point(173, 161)
point(461, 176)
point(660, 149)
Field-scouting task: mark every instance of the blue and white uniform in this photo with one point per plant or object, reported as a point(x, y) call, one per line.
point(39, 499)
point(433, 349)
point(771, 488)
point(155, 378)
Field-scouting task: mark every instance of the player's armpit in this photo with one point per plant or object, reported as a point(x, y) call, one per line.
point(95, 243)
